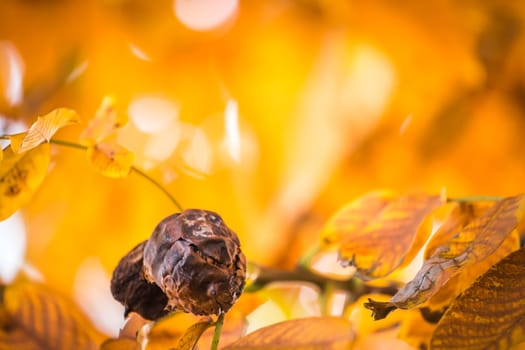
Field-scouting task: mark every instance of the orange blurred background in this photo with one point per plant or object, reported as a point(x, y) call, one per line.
point(272, 113)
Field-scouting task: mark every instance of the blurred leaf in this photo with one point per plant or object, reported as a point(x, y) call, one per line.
point(120, 344)
point(307, 333)
point(295, 299)
point(33, 317)
point(415, 330)
point(107, 119)
point(45, 127)
point(355, 216)
point(111, 159)
point(491, 313)
point(169, 331)
point(20, 177)
point(192, 335)
point(360, 318)
point(379, 232)
point(475, 242)
point(16, 141)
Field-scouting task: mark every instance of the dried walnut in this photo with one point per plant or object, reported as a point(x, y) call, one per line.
point(192, 262)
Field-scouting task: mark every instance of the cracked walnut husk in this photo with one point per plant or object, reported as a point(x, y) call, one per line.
point(193, 259)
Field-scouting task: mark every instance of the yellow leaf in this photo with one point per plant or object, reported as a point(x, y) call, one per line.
point(20, 176)
point(16, 141)
point(192, 335)
point(111, 159)
point(169, 330)
point(33, 317)
point(107, 119)
point(360, 318)
point(355, 216)
point(379, 233)
point(45, 127)
point(467, 275)
point(476, 242)
point(491, 313)
point(415, 330)
point(295, 299)
point(120, 344)
point(458, 217)
point(323, 333)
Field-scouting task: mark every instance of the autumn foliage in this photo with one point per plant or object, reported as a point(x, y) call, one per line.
point(366, 157)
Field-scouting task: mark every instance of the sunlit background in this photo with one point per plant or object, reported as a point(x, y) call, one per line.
point(272, 113)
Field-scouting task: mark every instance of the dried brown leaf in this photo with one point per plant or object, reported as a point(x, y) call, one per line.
point(475, 242)
point(309, 333)
point(34, 317)
point(379, 233)
point(20, 177)
point(491, 313)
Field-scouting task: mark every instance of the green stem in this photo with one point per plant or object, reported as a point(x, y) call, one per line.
point(217, 332)
point(133, 169)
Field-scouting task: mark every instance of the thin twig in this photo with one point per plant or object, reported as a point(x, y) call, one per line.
point(158, 185)
point(476, 199)
point(133, 169)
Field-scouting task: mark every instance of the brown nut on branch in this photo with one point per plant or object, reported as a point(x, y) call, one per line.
point(197, 262)
point(131, 289)
point(192, 262)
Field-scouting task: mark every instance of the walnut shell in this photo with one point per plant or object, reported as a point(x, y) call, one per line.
point(132, 290)
point(197, 262)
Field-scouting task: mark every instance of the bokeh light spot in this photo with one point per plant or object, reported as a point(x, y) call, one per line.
point(11, 73)
point(152, 114)
point(205, 15)
point(12, 247)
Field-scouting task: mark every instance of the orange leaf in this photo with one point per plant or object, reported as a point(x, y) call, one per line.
point(33, 317)
point(415, 330)
point(355, 216)
point(467, 275)
point(475, 242)
point(307, 333)
point(120, 344)
point(45, 127)
point(459, 216)
point(20, 177)
point(107, 119)
point(175, 328)
point(16, 141)
point(111, 159)
point(378, 233)
point(491, 313)
point(192, 335)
